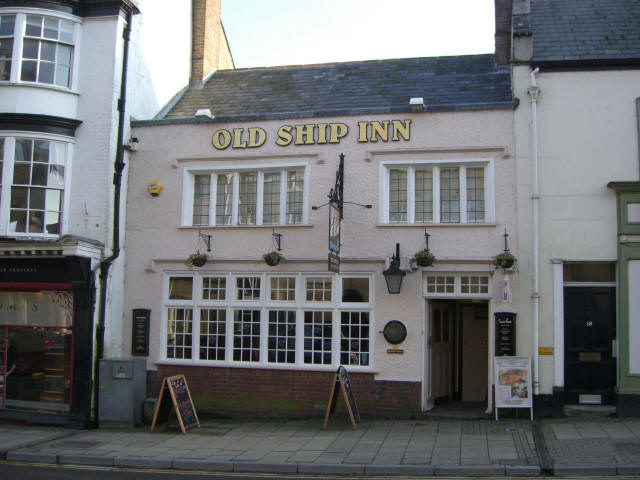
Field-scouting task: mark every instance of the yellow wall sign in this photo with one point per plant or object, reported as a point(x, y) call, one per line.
point(313, 134)
point(545, 351)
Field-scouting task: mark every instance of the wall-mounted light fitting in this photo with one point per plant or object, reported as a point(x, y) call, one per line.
point(394, 274)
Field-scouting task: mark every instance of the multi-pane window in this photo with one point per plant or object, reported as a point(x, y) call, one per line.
point(213, 325)
point(354, 338)
point(246, 335)
point(271, 199)
point(214, 288)
point(283, 289)
point(32, 176)
point(318, 289)
point(474, 284)
point(278, 327)
point(317, 337)
point(7, 26)
point(440, 284)
point(246, 197)
point(201, 193)
point(282, 336)
point(437, 193)
point(46, 46)
point(447, 284)
point(179, 329)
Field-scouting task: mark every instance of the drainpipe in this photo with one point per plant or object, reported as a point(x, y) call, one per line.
point(533, 92)
point(105, 265)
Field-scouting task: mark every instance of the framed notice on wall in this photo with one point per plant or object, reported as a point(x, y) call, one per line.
point(512, 380)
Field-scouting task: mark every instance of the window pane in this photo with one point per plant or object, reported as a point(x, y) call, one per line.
point(34, 26)
point(214, 288)
point(424, 195)
point(295, 187)
point(7, 23)
point(317, 338)
point(397, 195)
point(52, 222)
point(449, 195)
point(30, 50)
point(354, 338)
point(271, 198)
point(29, 69)
point(224, 197)
point(19, 197)
point(212, 334)
point(355, 290)
point(201, 192)
point(180, 288)
point(283, 289)
point(6, 49)
point(475, 194)
point(247, 198)
point(589, 272)
point(48, 51)
point(248, 288)
point(18, 221)
point(36, 198)
point(66, 31)
point(50, 28)
point(246, 335)
point(281, 342)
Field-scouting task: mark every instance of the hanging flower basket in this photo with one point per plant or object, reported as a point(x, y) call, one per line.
point(505, 260)
point(424, 258)
point(272, 258)
point(196, 260)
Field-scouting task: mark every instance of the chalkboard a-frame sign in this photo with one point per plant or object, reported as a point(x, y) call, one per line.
point(341, 381)
point(174, 396)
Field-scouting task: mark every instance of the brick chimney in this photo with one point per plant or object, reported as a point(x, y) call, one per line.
point(503, 9)
point(209, 47)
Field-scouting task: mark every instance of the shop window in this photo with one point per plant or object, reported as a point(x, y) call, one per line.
point(33, 185)
point(179, 330)
point(246, 335)
point(317, 337)
point(428, 192)
point(47, 48)
point(354, 338)
point(180, 288)
point(355, 290)
point(213, 324)
point(246, 197)
point(282, 336)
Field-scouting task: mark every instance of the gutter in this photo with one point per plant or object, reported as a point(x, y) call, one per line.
point(533, 92)
point(105, 265)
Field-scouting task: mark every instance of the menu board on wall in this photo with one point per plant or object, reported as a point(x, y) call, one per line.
point(505, 334)
point(140, 332)
point(512, 380)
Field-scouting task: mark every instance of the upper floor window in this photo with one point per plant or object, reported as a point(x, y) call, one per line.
point(36, 48)
point(32, 185)
point(427, 192)
point(245, 197)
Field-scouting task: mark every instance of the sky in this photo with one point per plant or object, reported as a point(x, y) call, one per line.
point(263, 33)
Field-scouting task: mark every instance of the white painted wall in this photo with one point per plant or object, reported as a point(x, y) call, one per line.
point(587, 138)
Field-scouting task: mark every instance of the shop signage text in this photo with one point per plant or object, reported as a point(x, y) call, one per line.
point(313, 134)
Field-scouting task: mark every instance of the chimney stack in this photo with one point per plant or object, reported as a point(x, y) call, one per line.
point(503, 12)
point(209, 48)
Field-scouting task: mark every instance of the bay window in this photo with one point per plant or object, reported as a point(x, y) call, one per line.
point(302, 320)
point(433, 192)
point(261, 196)
point(33, 180)
point(37, 49)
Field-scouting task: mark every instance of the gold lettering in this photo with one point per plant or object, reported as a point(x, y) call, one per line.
point(284, 136)
point(322, 133)
point(403, 130)
point(380, 130)
point(257, 137)
point(221, 139)
point(362, 129)
point(337, 131)
point(237, 138)
point(304, 134)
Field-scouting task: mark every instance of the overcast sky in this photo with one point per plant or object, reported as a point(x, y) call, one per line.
point(290, 32)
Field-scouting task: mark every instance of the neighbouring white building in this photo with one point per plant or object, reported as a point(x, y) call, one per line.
point(72, 74)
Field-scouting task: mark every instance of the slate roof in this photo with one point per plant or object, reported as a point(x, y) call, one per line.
point(586, 31)
point(382, 86)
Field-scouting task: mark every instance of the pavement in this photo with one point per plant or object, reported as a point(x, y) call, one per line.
point(426, 447)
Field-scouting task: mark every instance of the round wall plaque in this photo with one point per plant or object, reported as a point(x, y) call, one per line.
point(394, 332)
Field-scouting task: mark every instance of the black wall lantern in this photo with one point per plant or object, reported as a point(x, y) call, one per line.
point(394, 274)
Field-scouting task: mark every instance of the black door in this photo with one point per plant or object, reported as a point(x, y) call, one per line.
point(590, 327)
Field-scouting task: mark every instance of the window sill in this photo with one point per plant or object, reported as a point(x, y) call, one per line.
point(272, 226)
point(45, 86)
point(437, 225)
point(264, 366)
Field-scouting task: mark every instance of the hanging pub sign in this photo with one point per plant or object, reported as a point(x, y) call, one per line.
point(335, 218)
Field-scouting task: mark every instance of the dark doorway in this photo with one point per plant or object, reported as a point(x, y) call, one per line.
point(590, 328)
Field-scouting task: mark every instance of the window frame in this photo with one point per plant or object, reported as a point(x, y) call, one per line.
point(435, 166)
point(19, 36)
point(8, 163)
point(298, 308)
point(457, 285)
point(188, 189)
